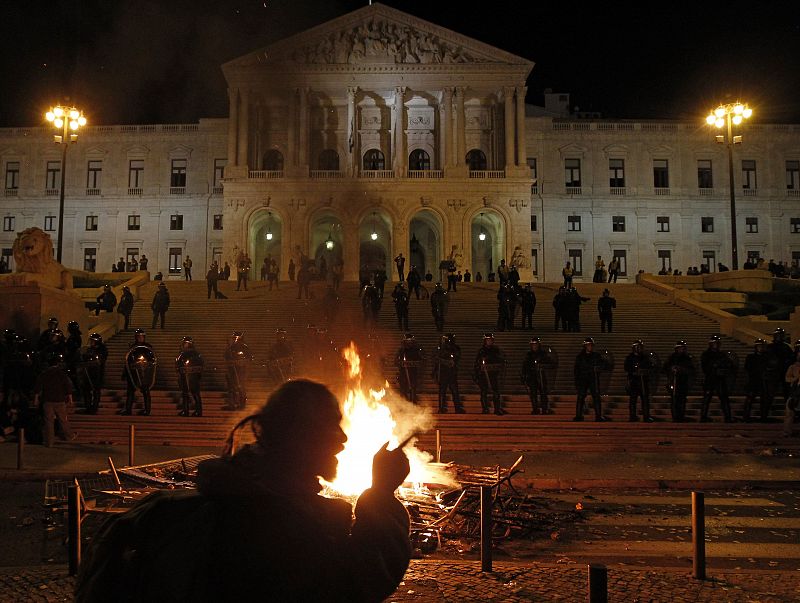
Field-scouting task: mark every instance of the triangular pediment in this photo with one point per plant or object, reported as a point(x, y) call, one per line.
point(378, 34)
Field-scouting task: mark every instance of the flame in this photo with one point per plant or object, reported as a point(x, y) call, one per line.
point(372, 419)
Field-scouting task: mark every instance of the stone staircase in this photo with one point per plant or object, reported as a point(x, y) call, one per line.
point(641, 313)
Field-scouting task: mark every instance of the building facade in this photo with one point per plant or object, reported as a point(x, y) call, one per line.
point(379, 133)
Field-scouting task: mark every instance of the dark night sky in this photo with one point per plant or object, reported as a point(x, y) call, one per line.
point(150, 61)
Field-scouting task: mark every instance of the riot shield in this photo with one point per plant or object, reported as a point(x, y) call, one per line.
point(550, 366)
point(604, 369)
point(732, 370)
point(654, 372)
point(140, 364)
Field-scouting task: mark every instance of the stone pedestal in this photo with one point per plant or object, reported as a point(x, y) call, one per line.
point(26, 308)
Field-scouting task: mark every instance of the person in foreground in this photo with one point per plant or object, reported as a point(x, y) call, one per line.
point(257, 527)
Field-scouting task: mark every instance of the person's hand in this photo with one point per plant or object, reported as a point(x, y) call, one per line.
point(389, 469)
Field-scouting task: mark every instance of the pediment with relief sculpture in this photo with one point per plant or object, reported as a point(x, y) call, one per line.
point(378, 34)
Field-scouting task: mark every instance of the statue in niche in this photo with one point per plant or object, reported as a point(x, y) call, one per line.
point(519, 258)
point(455, 256)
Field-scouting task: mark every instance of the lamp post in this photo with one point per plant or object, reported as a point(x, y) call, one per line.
point(731, 114)
point(66, 120)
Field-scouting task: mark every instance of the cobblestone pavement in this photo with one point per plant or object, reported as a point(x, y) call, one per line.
point(451, 581)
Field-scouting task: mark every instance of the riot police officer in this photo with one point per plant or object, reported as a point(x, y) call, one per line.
point(408, 360)
point(370, 304)
point(445, 371)
point(189, 365)
point(91, 372)
point(679, 368)
point(44, 336)
point(537, 361)
point(784, 356)
point(528, 306)
point(55, 346)
point(718, 367)
point(638, 367)
point(762, 368)
point(237, 358)
point(487, 370)
point(400, 299)
point(281, 355)
point(506, 307)
point(439, 304)
point(139, 372)
point(588, 366)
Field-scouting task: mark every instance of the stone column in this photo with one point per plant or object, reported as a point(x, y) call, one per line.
point(352, 135)
point(461, 150)
point(445, 128)
point(302, 147)
point(244, 112)
point(233, 124)
point(399, 149)
point(508, 123)
point(350, 251)
point(522, 158)
point(291, 116)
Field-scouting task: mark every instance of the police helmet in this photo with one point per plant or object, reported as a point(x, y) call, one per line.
point(137, 333)
point(9, 334)
point(126, 288)
point(488, 336)
point(96, 337)
point(759, 342)
point(52, 321)
point(106, 287)
point(637, 343)
point(408, 337)
point(188, 339)
point(73, 326)
point(536, 340)
point(57, 334)
point(588, 340)
point(714, 339)
point(438, 286)
point(681, 344)
point(236, 335)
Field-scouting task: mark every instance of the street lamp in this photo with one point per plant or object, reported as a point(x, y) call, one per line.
point(481, 235)
point(374, 235)
point(731, 114)
point(67, 120)
point(269, 227)
point(329, 242)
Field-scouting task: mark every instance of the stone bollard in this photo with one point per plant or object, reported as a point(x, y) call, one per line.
point(74, 527)
point(698, 536)
point(21, 448)
point(598, 583)
point(486, 528)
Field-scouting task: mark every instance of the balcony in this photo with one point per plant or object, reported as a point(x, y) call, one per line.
point(177, 190)
point(749, 192)
point(135, 192)
point(92, 192)
point(792, 193)
point(51, 192)
point(490, 174)
point(424, 174)
point(705, 192)
point(617, 191)
point(325, 174)
point(265, 174)
point(377, 174)
point(217, 190)
point(661, 191)
point(573, 190)
point(11, 192)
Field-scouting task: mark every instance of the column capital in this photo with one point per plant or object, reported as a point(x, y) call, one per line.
point(351, 92)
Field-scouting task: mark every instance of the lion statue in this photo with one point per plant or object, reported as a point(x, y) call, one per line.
point(33, 255)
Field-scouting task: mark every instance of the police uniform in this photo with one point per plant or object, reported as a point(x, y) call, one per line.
point(92, 371)
point(717, 368)
point(533, 375)
point(638, 367)
point(408, 360)
point(447, 359)
point(439, 304)
point(762, 369)
point(784, 356)
point(588, 365)
point(281, 356)
point(139, 372)
point(680, 369)
point(528, 306)
point(189, 365)
point(487, 370)
point(237, 357)
point(400, 298)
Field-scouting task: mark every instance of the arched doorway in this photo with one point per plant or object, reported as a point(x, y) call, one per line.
point(374, 245)
point(425, 242)
point(266, 230)
point(487, 233)
point(273, 160)
point(326, 242)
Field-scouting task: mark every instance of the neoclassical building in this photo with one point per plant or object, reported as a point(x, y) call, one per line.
point(379, 133)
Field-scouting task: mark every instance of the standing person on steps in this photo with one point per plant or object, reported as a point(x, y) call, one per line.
point(160, 305)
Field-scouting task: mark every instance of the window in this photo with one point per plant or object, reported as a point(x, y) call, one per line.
point(219, 171)
point(665, 260)
point(12, 175)
point(53, 180)
point(704, 179)
point(618, 223)
point(616, 173)
point(794, 224)
point(176, 222)
point(710, 260)
point(9, 223)
point(535, 261)
point(50, 223)
point(94, 171)
point(660, 173)
point(751, 225)
point(792, 175)
point(91, 222)
point(90, 259)
point(374, 160)
point(662, 223)
point(217, 221)
point(177, 177)
point(328, 161)
point(134, 222)
point(131, 253)
point(136, 173)
point(576, 259)
point(572, 173)
point(574, 223)
point(533, 223)
point(273, 160)
point(175, 260)
point(707, 224)
point(796, 257)
point(749, 174)
point(753, 255)
point(8, 257)
point(533, 174)
point(419, 160)
point(216, 255)
point(476, 160)
point(622, 258)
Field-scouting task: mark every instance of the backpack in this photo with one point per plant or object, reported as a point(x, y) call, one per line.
point(156, 551)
